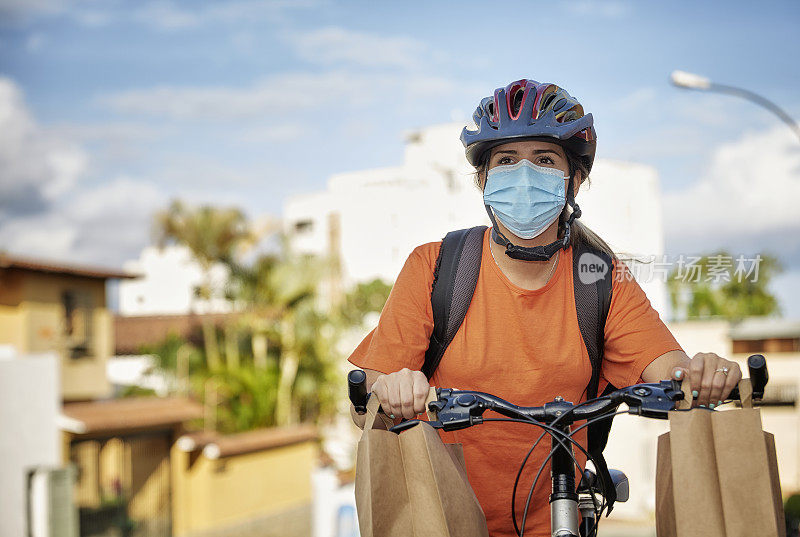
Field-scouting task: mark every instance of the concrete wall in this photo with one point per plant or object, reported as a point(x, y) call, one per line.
point(29, 405)
point(211, 494)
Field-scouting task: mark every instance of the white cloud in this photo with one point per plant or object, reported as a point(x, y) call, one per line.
point(111, 132)
point(106, 224)
point(287, 132)
point(334, 45)
point(272, 98)
point(93, 18)
point(35, 167)
point(114, 218)
point(168, 16)
point(648, 123)
point(749, 192)
point(608, 9)
point(18, 9)
point(161, 15)
point(174, 16)
point(47, 210)
point(35, 42)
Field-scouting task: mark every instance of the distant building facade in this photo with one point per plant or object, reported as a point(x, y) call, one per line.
point(369, 221)
point(60, 308)
point(169, 280)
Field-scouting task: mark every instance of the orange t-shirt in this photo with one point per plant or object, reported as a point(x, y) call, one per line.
point(524, 346)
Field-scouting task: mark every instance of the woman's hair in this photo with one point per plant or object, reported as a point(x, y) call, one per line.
point(580, 234)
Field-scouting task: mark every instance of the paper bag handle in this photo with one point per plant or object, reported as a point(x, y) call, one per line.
point(384, 421)
point(432, 396)
point(372, 414)
point(746, 393)
point(686, 388)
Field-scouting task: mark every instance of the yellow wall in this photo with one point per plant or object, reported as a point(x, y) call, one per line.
point(32, 319)
point(12, 327)
point(47, 288)
point(87, 487)
point(85, 378)
point(149, 477)
point(210, 494)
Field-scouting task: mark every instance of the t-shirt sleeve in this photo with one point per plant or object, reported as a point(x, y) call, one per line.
point(406, 322)
point(635, 335)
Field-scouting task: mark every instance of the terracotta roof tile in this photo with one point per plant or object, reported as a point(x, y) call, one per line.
point(248, 442)
point(41, 265)
point(129, 413)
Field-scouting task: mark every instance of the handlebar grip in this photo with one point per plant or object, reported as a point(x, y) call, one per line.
point(759, 376)
point(357, 389)
point(757, 365)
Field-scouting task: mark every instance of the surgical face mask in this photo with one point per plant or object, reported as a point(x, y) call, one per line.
point(525, 197)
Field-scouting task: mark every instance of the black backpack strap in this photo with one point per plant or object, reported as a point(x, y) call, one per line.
point(592, 275)
point(592, 282)
point(454, 281)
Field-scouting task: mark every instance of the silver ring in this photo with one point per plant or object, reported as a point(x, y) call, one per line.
point(724, 370)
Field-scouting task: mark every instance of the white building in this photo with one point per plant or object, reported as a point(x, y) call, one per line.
point(168, 284)
point(372, 219)
point(30, 448)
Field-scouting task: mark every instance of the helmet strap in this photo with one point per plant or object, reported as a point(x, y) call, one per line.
point(538, 253)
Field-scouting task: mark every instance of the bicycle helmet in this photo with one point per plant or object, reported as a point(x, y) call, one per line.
point(529, 109)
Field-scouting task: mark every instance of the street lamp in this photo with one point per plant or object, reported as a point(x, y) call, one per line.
point(682, 79)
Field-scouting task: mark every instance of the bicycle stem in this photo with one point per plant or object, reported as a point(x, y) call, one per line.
point(564, 519)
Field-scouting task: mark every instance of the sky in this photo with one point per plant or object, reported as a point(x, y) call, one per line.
point(110, 109)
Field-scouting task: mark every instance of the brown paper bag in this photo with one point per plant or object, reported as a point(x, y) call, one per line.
point(413, 485)
point(717, 476)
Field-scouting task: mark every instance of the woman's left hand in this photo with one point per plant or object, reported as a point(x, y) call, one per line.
point(712, 378)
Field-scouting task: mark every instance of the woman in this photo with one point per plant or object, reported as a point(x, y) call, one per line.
point(532, 149)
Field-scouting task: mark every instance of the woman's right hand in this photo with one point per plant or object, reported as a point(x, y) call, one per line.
point(402, 393)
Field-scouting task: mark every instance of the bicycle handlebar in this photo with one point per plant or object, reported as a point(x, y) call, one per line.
point(357, 389)
point(458, 409)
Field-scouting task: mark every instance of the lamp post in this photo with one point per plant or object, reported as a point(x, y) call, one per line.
point(685, 80)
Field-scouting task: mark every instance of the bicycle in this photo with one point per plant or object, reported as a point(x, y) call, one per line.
point(459, 409)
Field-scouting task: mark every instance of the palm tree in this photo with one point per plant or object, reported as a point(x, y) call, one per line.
point(213, 235)
point(291, 376)
point(280, 291)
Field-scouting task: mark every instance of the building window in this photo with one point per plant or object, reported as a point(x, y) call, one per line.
point(778, 344)
point(77, 322)
point(303, 226)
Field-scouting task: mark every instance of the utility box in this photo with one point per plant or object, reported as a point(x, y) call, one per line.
point(51, 511)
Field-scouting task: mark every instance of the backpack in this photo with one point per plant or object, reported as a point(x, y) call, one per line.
point(454, 281)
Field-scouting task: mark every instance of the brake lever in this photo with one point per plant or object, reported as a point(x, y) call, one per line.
point(653, 400)
point(456, 410)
